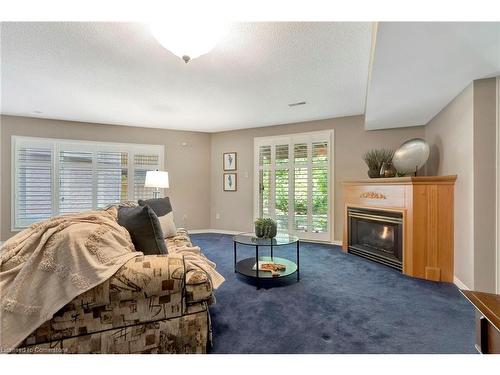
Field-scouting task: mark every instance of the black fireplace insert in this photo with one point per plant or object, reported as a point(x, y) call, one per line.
point(376, 235)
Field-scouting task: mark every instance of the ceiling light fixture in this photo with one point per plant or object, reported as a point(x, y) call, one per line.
point(188, 40)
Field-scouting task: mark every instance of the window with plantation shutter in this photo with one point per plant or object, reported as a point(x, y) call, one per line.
point(292, 175)
point(53, 177)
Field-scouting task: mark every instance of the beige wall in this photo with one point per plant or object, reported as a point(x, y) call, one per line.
point(450, 134)
point(484, 184)
point(188, 166)
point(351, 141)
point(463, 142)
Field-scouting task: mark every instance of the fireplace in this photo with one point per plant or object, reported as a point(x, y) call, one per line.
point(376, 235)
point(418, 214)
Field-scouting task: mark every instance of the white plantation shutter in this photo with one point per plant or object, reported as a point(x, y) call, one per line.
point(112, 177)
point(281, 152)
point(293, 174)
point(319, 186)
point(75, 181)
point(265, 155)
point(54, 177)
point(142, 164)
point(301, 187)
point(33, 181)
point(264, 180)
point(281, 185)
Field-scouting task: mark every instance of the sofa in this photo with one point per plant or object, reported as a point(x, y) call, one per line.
point(151, 305)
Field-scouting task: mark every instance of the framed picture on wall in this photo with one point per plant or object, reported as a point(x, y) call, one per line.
point(230, 182)
point(229, 161)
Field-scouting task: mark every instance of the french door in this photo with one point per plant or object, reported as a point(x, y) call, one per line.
point(293, 183)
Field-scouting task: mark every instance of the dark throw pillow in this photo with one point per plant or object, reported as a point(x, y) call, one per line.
point(162, 209)
point(161, 206)
point(144, 228)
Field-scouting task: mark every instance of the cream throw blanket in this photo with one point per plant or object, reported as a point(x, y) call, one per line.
point(194, 259)
point(47, 265)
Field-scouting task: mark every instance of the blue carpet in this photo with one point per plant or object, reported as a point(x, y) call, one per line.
point(342, 304)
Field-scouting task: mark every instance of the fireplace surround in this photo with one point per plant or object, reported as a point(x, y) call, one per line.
point(417, 234)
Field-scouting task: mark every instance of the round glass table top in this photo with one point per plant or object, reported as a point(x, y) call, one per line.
point(281, 238)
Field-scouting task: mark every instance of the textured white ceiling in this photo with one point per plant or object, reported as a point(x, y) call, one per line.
point(117, 73)
point(419, 67)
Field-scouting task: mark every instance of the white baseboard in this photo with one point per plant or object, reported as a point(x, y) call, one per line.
point(459, 283)
point(233, 232)
point(219, 231)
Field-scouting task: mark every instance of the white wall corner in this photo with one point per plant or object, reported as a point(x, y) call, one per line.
point(459, 283)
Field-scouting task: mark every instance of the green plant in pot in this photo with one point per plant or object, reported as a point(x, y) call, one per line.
point(266, 228)
point(374, 160)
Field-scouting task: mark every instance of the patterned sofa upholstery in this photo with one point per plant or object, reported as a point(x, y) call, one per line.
point(151, 305)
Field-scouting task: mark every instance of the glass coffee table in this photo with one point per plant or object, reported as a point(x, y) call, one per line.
point(247, 267)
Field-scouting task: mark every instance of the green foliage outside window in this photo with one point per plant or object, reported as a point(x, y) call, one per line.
point(319, 198)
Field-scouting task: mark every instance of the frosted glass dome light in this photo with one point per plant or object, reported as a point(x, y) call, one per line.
point(188, 40)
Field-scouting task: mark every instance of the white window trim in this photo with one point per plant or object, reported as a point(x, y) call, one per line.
point(57, 144)
point(293, 138)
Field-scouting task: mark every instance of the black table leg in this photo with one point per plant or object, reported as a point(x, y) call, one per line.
point(271, 249)
point(234, 245)
point(257, 265)
point(298, 261)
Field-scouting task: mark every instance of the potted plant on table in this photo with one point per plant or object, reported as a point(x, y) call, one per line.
point(265, 228)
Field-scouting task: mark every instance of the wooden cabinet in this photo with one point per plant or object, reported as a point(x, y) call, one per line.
point(426, 204)
point(487, 320)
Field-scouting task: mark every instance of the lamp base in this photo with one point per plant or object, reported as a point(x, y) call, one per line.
point(156, 193)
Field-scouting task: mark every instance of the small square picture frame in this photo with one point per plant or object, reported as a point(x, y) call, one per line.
point(230, 182)
point(229, 161)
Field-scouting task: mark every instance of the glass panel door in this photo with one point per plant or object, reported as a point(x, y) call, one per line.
point(294, 183)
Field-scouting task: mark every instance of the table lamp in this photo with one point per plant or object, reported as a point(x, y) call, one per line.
point(156, 179)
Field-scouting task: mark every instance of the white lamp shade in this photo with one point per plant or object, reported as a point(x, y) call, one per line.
point(156, 179)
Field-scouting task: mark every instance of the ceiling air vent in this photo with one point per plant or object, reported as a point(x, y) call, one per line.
point(296, 104)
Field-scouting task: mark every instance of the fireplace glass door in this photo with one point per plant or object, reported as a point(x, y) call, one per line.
point(376, 235)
